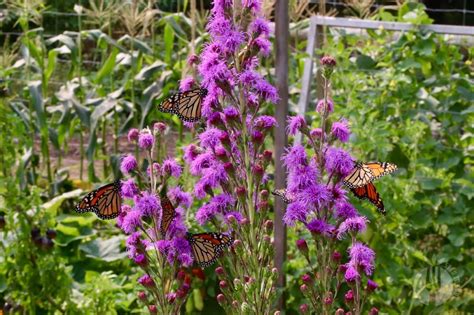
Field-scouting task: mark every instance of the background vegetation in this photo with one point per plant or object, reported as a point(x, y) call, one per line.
point(71, 86)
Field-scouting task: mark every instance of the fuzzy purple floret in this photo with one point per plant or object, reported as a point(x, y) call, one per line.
point(345, 210)
point(362, 256)
point(129, 163)
point(149, 205)
point(131, 221)
point(338, 161)
point(145, 140)
point(186, 84)
point(354, 224)
point(296, 211)
point(180, 197)
point(210, 138)
point(318, 226)
point(351, 274)
point(171, 168)
point(296, 124)
point(340, 129)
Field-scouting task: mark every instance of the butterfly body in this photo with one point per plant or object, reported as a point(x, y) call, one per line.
point(186, 105)
point(207, 247)
point(105, 201)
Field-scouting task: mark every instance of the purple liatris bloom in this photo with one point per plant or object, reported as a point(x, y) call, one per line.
point(338, 161)
point(131, 221)
point(210, 138)
point(145, 139)
point(354, 224)
point(180, 197)
point(371, 285)
point(129, 189)
point(182, 249)
point(140, 260)
point(296, 211)
point(149, 205)
point(171, 168)
point(129, 163)
point(265, 122)
point(351, 274)
point(295, 124)
point(345, 210)
point(294, 157)
point(319, 226)
point(363, 256)
point(340, 129)
point(316, 195)
point(186, 84)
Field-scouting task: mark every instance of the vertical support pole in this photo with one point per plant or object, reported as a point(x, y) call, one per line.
point(281, 111)
point(307, 72)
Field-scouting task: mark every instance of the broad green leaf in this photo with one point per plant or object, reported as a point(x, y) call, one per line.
point(53, 205)
point(107, 67)
point(104, 249)
point(168, 38)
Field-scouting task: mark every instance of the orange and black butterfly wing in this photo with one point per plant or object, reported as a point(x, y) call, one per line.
point(169, 213)
point(169, 105)
point(379, 169)
point(189, 105)
point(105, 202)
point(370, 193)
point(207, 247)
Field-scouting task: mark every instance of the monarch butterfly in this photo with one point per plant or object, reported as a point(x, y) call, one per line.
point(169, 213)
point(370, 193)
point(105, 202)
point(284, 195)
point(187, 105)
point(364, 173)
point(207, 247)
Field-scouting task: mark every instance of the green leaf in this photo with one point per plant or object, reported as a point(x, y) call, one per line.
point(53, 205)
point(198, 301)
point(51, 64)
point(107, 67)
point(106, 250)
point(148, 71)
point(365, 62)
point(168, 38)
point(37, 99)
point(419, 255)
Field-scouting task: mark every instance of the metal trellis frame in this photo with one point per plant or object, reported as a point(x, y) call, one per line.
point(314, 38)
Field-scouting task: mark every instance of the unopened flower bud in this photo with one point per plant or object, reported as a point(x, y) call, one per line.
point(142, 295)
point(159, 127)
point(133, 135)
point(222, 284)
point(303, 288)
point(220, 271)
point(221, 153)
point(304, 308)
point(277, 313)
point(181, 275)
point(221, 299)
point(340, 311)
point(237, 284)
point(302, 246)
point(371, 285)
point(336, 256)
point(258, 171)
point(263, 205)
point(328, 61)
point(235, 304)
point(328, 300)
point(224, 138)
point(237, 243)
point(267, 156)
point(267, 239)
point(244, 221)
point(229, 168)
point(193, 59)
point(240, 191)
point(153, 309)
point(349, 296)
point(257, 137)
point(268, 225)
point(2, 221)
point(373, 311)
point(306, 278)
point(215, 119)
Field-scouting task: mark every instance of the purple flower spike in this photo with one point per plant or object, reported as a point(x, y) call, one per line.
point(129, 163)
point(296, 211)
point(294, 157)
point(148, 205)
point(145, 139)
point(351, 274)
point(355, 224)
point(319, 227)
point(210, 138)
point(129, 189)
point(371, 285)
point(363, 256)
point(131, 221)
point(345, 210)
point(186, 84)
point(295, 124)
point(265, 122)
point(338, 161)
point(171, 168)
point(340, 129)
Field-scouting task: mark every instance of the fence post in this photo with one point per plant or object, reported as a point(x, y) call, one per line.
point(281, 111)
